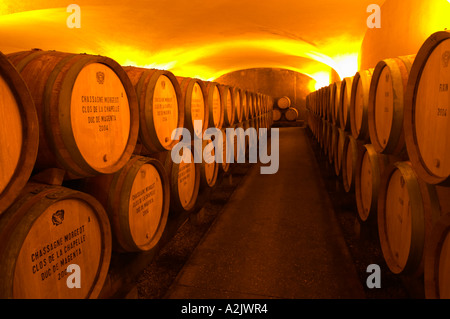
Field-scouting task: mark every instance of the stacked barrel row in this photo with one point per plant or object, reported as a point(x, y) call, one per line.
point(284, 111)
point(386, 130)
point(86, 168)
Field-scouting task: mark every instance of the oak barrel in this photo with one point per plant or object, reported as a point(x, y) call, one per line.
point(339, 150)
point(359, 102)
point(238, 104)
point(350, 154)
point(344, 103)
point(386, 104)
point(87, 110)
point(19, 133)
point(184, 178)
point(426, 116)
point(246, 100)
point(291, 114)
point(137, 200)
point(369, 169)
point(216, 106)
point(335, 90)
point(228, 103)
point(225, 166)
point(160, 107)
point(209, 168)
point(195, 103)
point(47, 229)
point(258, 104)
point(334, 136)
point(407, 209)
point(437, 253)
point(284, 102)
point(277, 115)
point(251, 104)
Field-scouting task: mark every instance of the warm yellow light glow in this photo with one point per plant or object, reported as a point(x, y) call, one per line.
point(346, 65)
point(439, 17)
point(322, 79)
point(46, 29)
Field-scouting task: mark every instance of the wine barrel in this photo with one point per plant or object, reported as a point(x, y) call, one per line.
point(326, 136)
point(258, 104)
point(291, 114)
point(246, 100)
point(350, 155)
point(333, 143)
point(276, 115)
point(209, 168)
point(47, 229)
point(334, 99)
point(323, 131)
point(238, 104)
point(137, 200)
point(160, 107)
point(228, 102)
point(320, 102)
point(225, 166)
point(327, 103)
point(215, 105)
point(251, 137)
point(284, 102)
point(238, 142)
point(184, 179)
point(344, 103)
point(436, 260)
point(252, 105)
point(87, 110)
point(407, 210)
point(359, 102)
point(369, 169)
point(329, 145)
point(426, 118)
point(19, 133)
point(195, 101)
point(386, 104)
point(265, 100)
point(316, 102)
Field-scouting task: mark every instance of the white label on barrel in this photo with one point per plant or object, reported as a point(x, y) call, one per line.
point(100, 115)
point(217, 107)
point(10, 134)
point(146, 204)
point(67, 232)
point(197, 107)
point(165, 110)
point(384, 107)
point(186, 181)
point(432, 124)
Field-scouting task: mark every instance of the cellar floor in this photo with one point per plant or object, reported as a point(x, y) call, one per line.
point(293, 234)
point(277, 237)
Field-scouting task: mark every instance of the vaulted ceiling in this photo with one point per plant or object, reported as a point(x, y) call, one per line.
point(197, 38)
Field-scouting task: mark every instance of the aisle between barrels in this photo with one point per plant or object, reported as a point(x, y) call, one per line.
point(277, 237)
